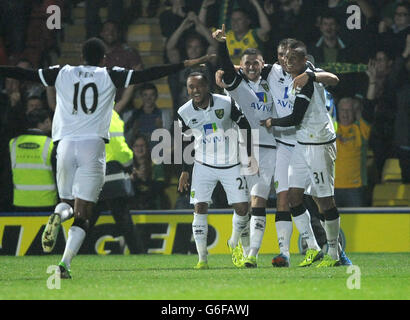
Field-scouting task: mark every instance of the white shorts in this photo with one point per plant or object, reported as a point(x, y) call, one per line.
point(80, 169)
point(283, 156)
point(312, 167)
point(259, 184)
point(205, 178)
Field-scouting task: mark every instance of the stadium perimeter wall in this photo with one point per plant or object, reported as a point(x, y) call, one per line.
point(168, 232)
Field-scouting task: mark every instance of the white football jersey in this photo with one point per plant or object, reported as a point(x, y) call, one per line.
point(317, 125)
point(280, 85)
point(214, 129)
point(85, 99)
point(255, 100)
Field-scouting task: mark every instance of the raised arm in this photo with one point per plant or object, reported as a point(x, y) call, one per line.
point(204, 10)
point(171, 46)
point(265, 26)
point(230, 74)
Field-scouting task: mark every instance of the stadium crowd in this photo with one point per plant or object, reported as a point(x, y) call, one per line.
point(371, 104)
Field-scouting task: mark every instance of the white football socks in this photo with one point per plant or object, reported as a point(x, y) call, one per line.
point(75, 239)
point(332, 228)
point(200, 232)
point(304, 227)
point(238, 225)
point(245, 237)
point(284, 231)
point(257, 230)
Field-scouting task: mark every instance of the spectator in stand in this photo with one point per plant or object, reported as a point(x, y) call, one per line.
point(196, 44)
point(148, 179)
point(292, 19)
point(145, 119)
point(171, 18)
point(215, 13)
point(242, 36)
point(331, 49)
point(353, 133)
point(394, 36)
point(381, 92)
point(402, 121)
point(121, 55)
point(115, 9)
point(34, 102)
point(13, 24)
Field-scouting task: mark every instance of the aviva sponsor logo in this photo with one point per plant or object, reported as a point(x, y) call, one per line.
point(210, 128)
point(261, 106)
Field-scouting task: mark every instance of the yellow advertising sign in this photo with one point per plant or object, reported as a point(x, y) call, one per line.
point(168, 233)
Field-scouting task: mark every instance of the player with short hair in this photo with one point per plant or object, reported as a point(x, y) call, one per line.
point(212, 121)
point(85, 99)
point(250, 89)
point(311, 166)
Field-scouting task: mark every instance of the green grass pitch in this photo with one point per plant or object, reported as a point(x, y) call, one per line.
point(171, 277)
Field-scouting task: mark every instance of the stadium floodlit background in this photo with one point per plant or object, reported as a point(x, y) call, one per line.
point(365, 43)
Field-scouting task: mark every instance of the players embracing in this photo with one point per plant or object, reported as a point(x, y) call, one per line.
point(278, 83)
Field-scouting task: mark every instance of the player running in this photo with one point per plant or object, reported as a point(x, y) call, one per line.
point(212, 121)
point(85, 99)
point(311, 166)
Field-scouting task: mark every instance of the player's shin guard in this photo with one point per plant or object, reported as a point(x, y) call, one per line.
point(200, 232)
point(257, 230)
point(332, 227)
point(301, 217)
point(284, 229)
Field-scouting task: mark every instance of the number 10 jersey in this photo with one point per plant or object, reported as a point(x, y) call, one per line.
point(85, 99)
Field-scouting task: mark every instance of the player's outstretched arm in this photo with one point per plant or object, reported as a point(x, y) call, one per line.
point(158, 72)
point(20, 73)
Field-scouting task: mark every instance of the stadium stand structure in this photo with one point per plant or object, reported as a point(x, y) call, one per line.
point(391, 191)
point(391, 170)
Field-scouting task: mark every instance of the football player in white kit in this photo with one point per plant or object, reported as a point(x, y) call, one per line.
point(251, 91)
point(312, 163)
point(281, 84)
point(212, 121)
point(85, 99)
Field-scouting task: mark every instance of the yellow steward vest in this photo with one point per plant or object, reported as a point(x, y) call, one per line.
point(33, 177)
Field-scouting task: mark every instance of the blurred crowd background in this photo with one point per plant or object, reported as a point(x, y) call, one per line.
point(371, 103)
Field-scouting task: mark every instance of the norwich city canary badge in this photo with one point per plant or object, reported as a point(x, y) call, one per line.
point(219, 113)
